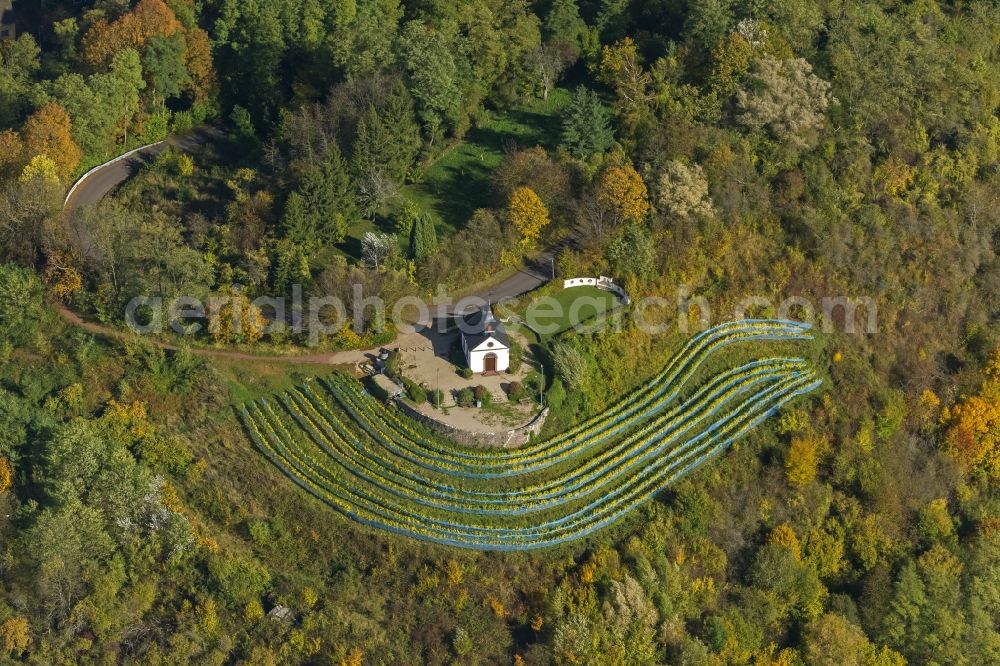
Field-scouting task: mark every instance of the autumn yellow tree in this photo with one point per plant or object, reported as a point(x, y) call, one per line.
point(731, 59)
point(198, 60)
point(354, 658)
point(972, 437)
point(6, 475)
point(528, 215)
point(49, 132)
point(453, 569)
point(236, 319)
point(802, 460)
point(621, 69)
point(62, 275)
point(253, 611)
point(131, 30)
point(783, 535)
point(208, 618)
point(41, 167)
point(895, 175)
point(11, 150)
point(622, 191)
point(128, 419)
point(15, 636)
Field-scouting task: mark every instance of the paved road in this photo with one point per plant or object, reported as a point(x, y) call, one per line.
point(102, 182)
point(528, 278)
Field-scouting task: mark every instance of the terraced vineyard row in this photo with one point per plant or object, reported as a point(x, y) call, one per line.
point(384, 470)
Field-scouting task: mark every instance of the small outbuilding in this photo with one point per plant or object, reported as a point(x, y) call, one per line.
point(485, 343)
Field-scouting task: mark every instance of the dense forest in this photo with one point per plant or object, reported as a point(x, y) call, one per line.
point(732, 148)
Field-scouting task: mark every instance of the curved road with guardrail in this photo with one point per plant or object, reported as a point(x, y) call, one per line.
point(103, 179)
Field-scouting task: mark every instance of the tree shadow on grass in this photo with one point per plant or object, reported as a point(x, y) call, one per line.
point(459, 191)
point(351, 247)
point(461, 181)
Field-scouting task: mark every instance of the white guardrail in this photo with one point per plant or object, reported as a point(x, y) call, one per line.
point(605, 283)
point(97, 168)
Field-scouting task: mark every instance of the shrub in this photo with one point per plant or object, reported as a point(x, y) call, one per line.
point(465, 398)
point(436, 397)
point(482, 394)
point(392, 363)
point(415, 392)
point(534, 383)
point(515, 391)
point(462, 642)
point(239, 579)
point(466, 373)
point(557, 394)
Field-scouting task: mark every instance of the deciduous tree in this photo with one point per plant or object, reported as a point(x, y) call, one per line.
point(783, 535)
point(973, 425)
point(632, 252)
point(552, 59)
point(41, 169)
point(237, 320)
point(681, 191)
point(925, 620)
point(623, 192)
point(528, 215)
point(131, 31)
point(199, 64)
point(6, 475)
point(534, 168)
point(376, 247)
point(15, 636)
point(49, 132)
point(564, 24)
point(620, 68)
point(802, 460)
point(11, 150)
point(19, 63)
point(785, 98)
point(163, 62)
point(432, 75)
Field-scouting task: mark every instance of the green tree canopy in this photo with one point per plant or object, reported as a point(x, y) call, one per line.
point(586, 127)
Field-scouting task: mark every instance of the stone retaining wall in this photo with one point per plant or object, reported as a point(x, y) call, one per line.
point(504, 439)
point(603, 282)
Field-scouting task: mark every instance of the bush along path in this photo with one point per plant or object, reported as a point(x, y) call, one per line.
point(385, 471)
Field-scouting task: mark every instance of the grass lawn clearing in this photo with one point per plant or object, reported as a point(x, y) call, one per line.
point(568, 307)
point(251, 380)
point(458, 183)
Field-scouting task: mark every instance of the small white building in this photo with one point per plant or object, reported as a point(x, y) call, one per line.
point(485, 343)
